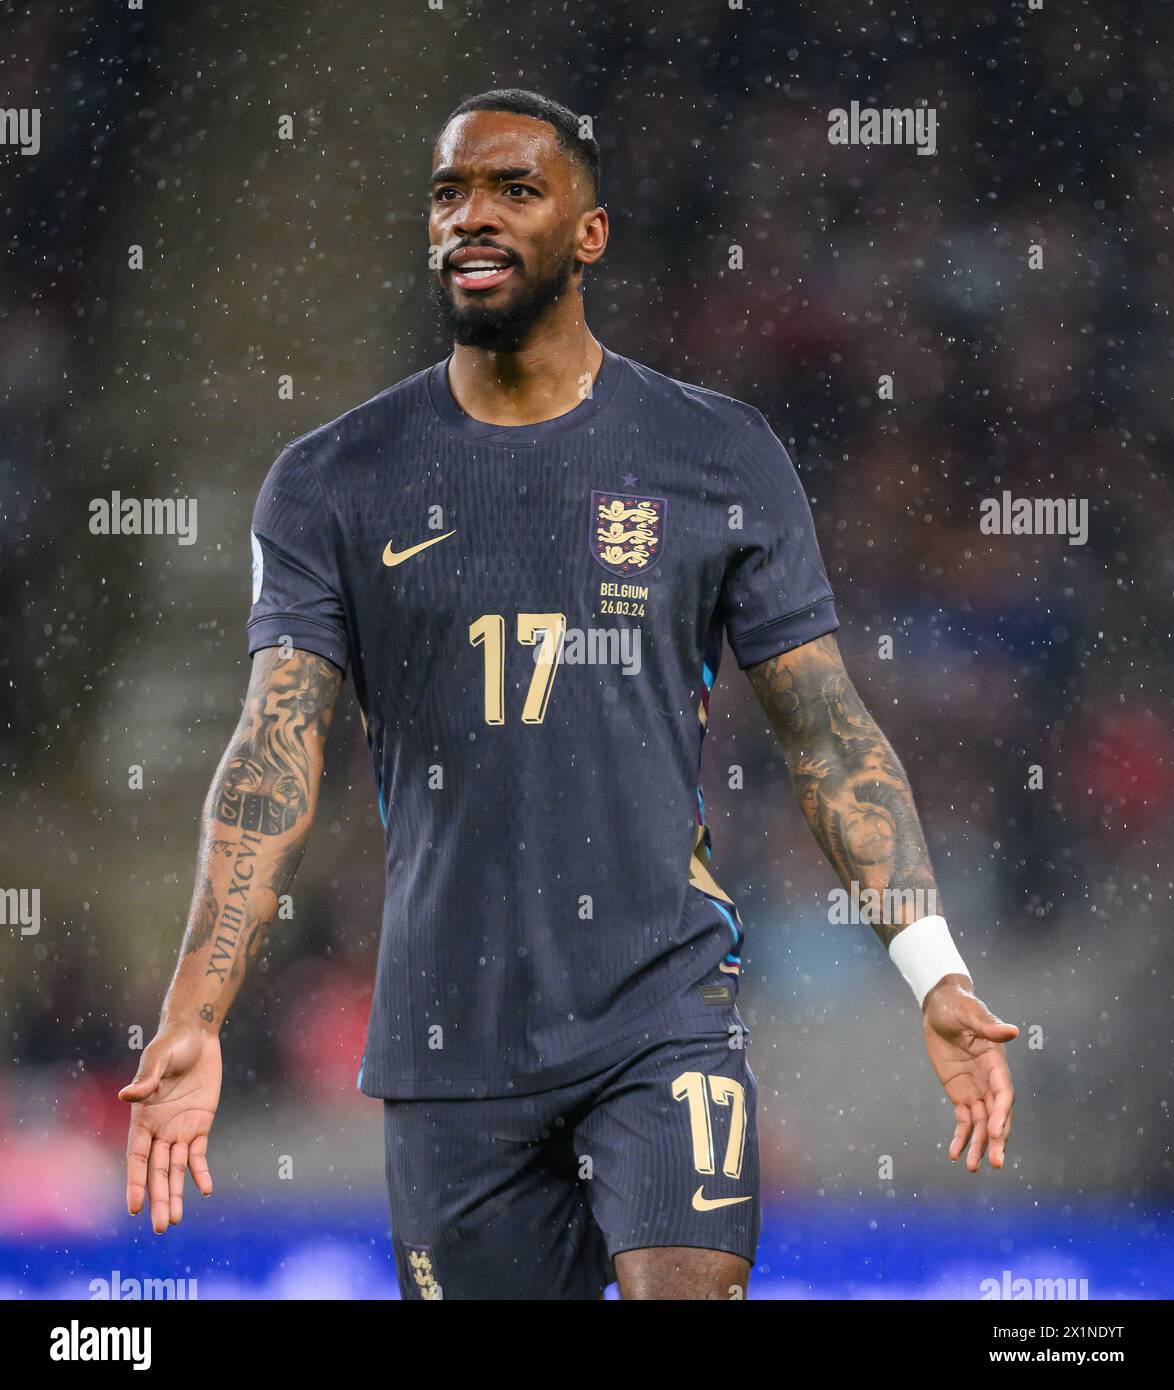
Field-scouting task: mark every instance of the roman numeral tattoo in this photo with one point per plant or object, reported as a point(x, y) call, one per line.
point(258, 813)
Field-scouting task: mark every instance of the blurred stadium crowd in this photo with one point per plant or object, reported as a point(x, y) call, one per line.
point(264, 257)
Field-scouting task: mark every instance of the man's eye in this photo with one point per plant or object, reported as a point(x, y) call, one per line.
point(518, 188)
point(440, 194)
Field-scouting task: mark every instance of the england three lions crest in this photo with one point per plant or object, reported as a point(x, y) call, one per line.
point(627, 533)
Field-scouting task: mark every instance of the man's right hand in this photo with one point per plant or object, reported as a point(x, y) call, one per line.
point(268, 779)
point(173, 1102)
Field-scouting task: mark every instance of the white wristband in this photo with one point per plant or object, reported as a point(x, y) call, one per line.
point(924, 952)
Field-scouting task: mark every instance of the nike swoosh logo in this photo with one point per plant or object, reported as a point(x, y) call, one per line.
point(703, 1203)
point(397, 557)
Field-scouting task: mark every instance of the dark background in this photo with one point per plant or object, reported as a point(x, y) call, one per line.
point(308, 257)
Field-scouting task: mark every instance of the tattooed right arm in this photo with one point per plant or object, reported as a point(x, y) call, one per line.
point(256, 820)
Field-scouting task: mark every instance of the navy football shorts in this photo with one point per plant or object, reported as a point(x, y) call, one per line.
point(532, 1196)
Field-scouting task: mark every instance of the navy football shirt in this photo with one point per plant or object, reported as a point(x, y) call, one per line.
point(532, 616)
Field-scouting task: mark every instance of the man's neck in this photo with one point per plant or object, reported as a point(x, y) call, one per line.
point(541, 381)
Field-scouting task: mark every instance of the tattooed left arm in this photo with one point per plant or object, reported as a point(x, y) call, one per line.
point(858, 802)
point(853, 791)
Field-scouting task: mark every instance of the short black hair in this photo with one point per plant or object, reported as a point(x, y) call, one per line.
point(582, 148)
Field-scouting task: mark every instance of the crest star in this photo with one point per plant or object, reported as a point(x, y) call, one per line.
point(629, 480)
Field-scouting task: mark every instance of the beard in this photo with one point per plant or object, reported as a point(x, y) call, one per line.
point(505, 327)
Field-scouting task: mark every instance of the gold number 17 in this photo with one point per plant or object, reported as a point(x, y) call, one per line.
point(723, 1090)
point(489, 632)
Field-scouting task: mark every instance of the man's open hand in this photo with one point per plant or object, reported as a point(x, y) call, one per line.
point(965, 1044)
point(173, 1102)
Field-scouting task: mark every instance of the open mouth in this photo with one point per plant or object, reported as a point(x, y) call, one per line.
point(479, 275)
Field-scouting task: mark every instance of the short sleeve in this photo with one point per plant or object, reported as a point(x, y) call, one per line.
point(296, 588)
point(775, 595)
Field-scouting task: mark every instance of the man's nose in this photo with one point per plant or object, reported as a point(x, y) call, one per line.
point(477, 215)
